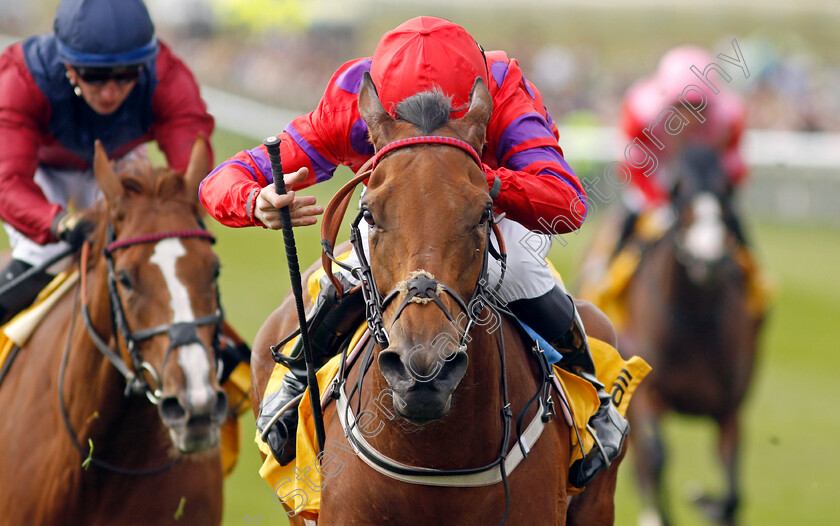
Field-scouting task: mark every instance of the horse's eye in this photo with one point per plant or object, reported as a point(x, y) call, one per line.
point(485, 216)
point(368, 217)
point(125, 279)
point(216, 271)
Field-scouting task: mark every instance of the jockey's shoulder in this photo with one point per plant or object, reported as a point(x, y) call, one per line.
point(167, 62)
point(12, 53)
point(18, 89)
point(496, 56)
point(503, 71)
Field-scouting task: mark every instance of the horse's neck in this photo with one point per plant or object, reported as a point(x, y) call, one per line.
point(471, 434)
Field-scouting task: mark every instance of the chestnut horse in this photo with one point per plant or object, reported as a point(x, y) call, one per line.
point(80, 441)
point(447, 415)
point(688, 317)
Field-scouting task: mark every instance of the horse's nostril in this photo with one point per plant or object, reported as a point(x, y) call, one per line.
point(455, 367)
point(171, 409)
point(390, 363)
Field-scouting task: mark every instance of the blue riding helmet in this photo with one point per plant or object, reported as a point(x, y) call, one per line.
point(104, 33)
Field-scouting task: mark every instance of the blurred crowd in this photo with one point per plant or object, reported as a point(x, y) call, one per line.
point(792, 86)
point(788, 89)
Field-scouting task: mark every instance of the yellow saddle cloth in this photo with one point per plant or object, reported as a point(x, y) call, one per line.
point(20, 328)
point(298, 483)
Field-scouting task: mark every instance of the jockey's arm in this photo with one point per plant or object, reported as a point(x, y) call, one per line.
point(543, 196)
point(302, 209)
point(538, 188)
point(240, 192)
point(312, 146)
point(23, 114)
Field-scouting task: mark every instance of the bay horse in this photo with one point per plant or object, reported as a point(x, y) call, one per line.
point(447, 419)
point(688, 317)
point(80, 442)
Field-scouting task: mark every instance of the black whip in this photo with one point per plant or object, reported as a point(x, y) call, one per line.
point(273, 146)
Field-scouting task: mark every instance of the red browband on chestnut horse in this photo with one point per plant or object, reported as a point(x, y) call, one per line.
point(428, 139)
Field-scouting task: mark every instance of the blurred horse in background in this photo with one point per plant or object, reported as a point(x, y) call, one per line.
point(687, 314)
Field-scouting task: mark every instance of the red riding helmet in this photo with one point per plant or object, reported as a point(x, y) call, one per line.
point(424, 53)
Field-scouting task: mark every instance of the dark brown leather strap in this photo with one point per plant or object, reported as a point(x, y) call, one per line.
point(334, 215)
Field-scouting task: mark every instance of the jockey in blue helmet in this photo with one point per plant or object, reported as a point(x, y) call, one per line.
point(104, 33)
point(102, 74)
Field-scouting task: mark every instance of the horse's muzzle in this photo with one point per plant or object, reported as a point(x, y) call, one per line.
point(194, 428)
point(422, 383)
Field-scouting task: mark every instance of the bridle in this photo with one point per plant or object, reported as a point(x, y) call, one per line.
point(180, 333)
point(424, 288)
point(420, 286)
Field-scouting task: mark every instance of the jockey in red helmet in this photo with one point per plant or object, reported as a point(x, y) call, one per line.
point(683, 109)
point(526, 174)
point(102, 74)
point(719, 129)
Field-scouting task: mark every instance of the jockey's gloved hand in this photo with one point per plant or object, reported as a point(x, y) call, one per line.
point(71, 228)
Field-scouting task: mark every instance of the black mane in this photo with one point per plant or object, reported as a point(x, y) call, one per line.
point(427, 110)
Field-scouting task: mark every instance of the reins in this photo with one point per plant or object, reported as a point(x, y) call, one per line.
point(331, 224)
point(65, 418)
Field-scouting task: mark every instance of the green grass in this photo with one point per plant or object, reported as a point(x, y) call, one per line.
point(790, 467)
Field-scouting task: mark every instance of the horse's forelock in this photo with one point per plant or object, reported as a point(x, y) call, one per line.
point(169, 184)
point(427, 110)
point(136, 175)
point(156, 182)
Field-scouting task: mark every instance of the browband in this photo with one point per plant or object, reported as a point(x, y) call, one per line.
point(428, 139)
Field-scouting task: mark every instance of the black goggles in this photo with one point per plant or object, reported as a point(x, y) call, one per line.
point(99, 76)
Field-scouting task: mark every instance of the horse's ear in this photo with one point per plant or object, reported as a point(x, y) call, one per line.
point(106, 178)
point(199, 166)
point(475, 121)
point(378, 120)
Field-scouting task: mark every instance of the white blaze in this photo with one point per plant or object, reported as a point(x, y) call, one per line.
point(704, 239)
point(192, 358)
